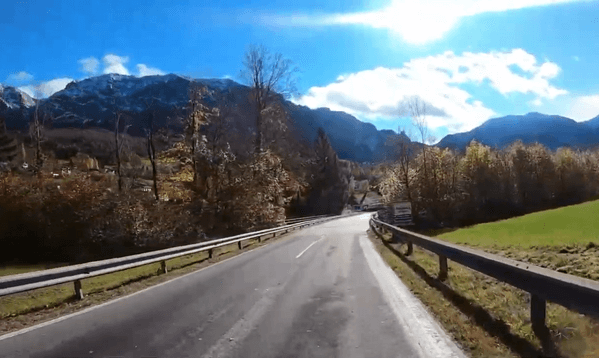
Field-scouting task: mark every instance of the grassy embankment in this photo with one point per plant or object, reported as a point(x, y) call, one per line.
point(492, 319)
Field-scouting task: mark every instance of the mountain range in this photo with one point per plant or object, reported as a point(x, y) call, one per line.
point(550, 130)
point(92, 102)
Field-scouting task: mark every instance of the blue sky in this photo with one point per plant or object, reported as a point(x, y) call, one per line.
point(468, 60)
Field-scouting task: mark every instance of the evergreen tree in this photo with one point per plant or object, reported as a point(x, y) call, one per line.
point(330, 183)
point(8, 145)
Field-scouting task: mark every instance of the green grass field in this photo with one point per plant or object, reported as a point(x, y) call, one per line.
point(576, 224)
point(490, 318)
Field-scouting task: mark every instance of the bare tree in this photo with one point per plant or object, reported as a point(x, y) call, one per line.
point(416, 109)
point(150, 142)
point(198, 115)
point(404, 154)
point(36, 129)
point(268, 76)
point(118, 139)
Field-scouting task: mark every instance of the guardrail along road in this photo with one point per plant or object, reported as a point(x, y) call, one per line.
point(322, 291)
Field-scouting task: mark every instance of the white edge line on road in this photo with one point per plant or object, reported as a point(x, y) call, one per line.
point(309, 246)
point(59, 319)
point(428, 337)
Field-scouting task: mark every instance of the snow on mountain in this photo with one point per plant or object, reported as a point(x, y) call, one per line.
point(11, 98)
point(92, 102)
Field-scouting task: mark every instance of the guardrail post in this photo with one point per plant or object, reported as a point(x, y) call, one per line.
point(163, 267)
point(442, 268)
point(259, 238)
point(538, 311)
point(410, 248)
point(210, 253)
point(239, 245)
point(78, 290)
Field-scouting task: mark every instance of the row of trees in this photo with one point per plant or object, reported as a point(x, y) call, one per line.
point(483, 184)
point(231, 189)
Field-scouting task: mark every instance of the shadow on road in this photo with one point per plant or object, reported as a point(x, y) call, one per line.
point(495, 327)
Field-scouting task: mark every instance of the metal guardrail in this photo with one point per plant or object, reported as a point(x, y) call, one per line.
point(296, 220)
point(575, 293)
point(29, 281)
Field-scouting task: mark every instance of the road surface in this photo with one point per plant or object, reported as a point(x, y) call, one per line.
point(320, 292)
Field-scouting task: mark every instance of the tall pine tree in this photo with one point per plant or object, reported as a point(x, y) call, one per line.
point(8, 145)
point(330, 179)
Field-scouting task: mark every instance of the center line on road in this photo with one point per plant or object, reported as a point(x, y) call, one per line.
point(309, 246)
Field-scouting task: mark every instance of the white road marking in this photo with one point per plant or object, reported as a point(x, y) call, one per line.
point(428, 338)
point(309, 246)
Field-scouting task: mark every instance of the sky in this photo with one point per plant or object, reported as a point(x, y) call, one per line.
point(466, 60)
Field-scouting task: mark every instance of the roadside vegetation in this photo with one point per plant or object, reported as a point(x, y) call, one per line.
point(564, 239)
point(523, 202)
point(453, 189)
point(73, 195)
point(486, 317)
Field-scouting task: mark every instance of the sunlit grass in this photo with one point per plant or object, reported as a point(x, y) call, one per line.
point(567, 225)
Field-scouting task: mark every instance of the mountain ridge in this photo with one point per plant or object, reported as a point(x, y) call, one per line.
point(553, 131)
point(91, 102)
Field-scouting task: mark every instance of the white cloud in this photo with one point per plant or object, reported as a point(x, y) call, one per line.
point(115, 64)
point(89, 65)
point(46, 89)
point(382, 92)
point(144, 70)
point(20, 77)
point(583, 108)
point(537, 102)
point(415, 21)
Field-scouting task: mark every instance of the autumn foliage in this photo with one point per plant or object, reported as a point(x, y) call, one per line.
point(484, 184)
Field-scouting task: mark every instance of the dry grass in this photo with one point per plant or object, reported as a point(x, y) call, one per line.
point(487, 317)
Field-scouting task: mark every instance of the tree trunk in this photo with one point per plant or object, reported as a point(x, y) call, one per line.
point(118, 154)
point(152, 156)
point(258, 133)
point(193, 144)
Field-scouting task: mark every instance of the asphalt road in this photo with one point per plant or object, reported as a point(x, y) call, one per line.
point(320, 292)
